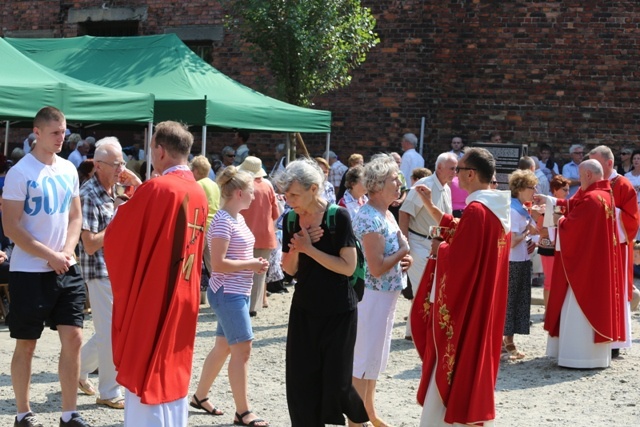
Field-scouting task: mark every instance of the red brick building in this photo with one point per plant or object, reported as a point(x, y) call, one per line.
point(536, 71)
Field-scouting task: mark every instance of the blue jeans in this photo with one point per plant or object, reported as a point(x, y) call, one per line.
point(232, 311)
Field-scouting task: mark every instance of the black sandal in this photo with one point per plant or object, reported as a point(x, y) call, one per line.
point(198, 405)
point(251, 423)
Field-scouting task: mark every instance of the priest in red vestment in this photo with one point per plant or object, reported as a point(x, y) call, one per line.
point(465, 320)
point(153, 249)
point(585, 307)
point(626, 202)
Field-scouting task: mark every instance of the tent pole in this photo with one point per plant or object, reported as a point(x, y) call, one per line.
point(422, 135)
point(287, 144)
point(204, 140)
point(6, 138)
point(326, 152)
point(147, 148)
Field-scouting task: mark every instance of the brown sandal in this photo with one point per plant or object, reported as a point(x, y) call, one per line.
point(513, 352)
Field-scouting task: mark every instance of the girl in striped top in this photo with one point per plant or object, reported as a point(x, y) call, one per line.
point(232, 263)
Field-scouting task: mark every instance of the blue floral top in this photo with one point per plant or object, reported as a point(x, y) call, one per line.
point(369, 220)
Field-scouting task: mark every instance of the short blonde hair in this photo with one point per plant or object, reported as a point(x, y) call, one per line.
point(521, 179)
point(201, 165)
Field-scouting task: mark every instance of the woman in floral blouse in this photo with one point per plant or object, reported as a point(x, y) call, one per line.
point(387, 253)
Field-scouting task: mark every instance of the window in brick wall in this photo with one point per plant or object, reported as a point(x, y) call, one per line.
point(204, 49)
point(108, 28)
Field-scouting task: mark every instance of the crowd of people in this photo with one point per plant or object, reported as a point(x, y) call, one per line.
point(150, 250)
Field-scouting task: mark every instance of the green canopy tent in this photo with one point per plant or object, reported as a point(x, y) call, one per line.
point(185, 87)
point(26, 87)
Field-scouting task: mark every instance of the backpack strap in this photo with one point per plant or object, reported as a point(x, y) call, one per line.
point(331, 218)
point(290, 221)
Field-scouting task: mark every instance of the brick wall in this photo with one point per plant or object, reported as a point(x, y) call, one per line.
point(555, 72)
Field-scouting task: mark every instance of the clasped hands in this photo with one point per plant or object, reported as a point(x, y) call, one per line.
point(60, 262)
point(304, 239)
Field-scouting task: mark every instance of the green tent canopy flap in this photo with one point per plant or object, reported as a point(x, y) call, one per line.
point(26, 87)
point(185, 87)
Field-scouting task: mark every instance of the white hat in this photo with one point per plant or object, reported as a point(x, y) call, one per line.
point(253, 165)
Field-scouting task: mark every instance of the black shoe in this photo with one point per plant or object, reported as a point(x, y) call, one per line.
point(75, 421)
point(29, 420)
point(253, 313)
point(615, 352)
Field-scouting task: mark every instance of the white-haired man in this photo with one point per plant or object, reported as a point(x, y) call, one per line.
point(411, 159)
point(79, 155)
point(570, 170)
point(415, 220)
point(625, 199)
point(585, 310)
point(99, 198)
point(337, 170)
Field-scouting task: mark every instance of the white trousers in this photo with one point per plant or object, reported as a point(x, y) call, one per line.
point(96, 353)
point(574, 348)
point(170, 414)
point(433, 409)
point(420, 251)
point(376, 312)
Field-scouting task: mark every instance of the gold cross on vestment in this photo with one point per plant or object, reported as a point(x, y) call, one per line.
point(195, 227)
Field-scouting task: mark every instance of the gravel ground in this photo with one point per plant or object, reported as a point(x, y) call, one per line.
point(531, 392)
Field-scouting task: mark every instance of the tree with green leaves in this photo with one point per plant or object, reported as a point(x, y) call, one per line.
point(310, 46)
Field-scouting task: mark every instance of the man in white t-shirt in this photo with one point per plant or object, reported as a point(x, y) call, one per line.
point(42, 215)
point(415, 220)
point(411, 159)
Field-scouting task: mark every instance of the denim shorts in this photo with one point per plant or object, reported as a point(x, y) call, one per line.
point(232, 311)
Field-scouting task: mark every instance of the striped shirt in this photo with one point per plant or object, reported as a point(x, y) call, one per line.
point(241, 242)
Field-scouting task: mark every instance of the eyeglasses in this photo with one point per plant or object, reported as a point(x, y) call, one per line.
point(116, 165)
point(458, 169)
point(494, 182)
point(230, 155)
point(578, 152)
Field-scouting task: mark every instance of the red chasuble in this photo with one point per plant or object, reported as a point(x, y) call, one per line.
point(626, 200)
point(464, 325)
point(153, 250)
point(588, 261)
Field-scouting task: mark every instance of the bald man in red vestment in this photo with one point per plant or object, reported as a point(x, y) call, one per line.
point(153, 249)
point(626, 201)
point(585, 312)
point(465, 320)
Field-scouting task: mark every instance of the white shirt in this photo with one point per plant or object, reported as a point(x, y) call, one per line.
point(76, 158)
point(47, 192)
point(543, 182)
point(518, 225)
point(420, 220)
point(411, 159)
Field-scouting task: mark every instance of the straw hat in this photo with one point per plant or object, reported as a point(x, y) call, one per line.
point(253, 165)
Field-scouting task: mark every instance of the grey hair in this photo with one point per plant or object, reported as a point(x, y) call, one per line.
point(90, 140)
point(280, 148)
point(377, 171)
point(574, 147)
point(444, 157)
point(228, 150)
point(109, 140)
point(604, 151)
point(592, 165)
point(104, 149)
point(536, 161)
point(410, 138)
point(304, 171)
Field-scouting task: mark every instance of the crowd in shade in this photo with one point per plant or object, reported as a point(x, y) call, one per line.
point(348, 239)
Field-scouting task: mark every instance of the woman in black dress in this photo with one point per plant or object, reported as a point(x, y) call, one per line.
point(323, 317)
